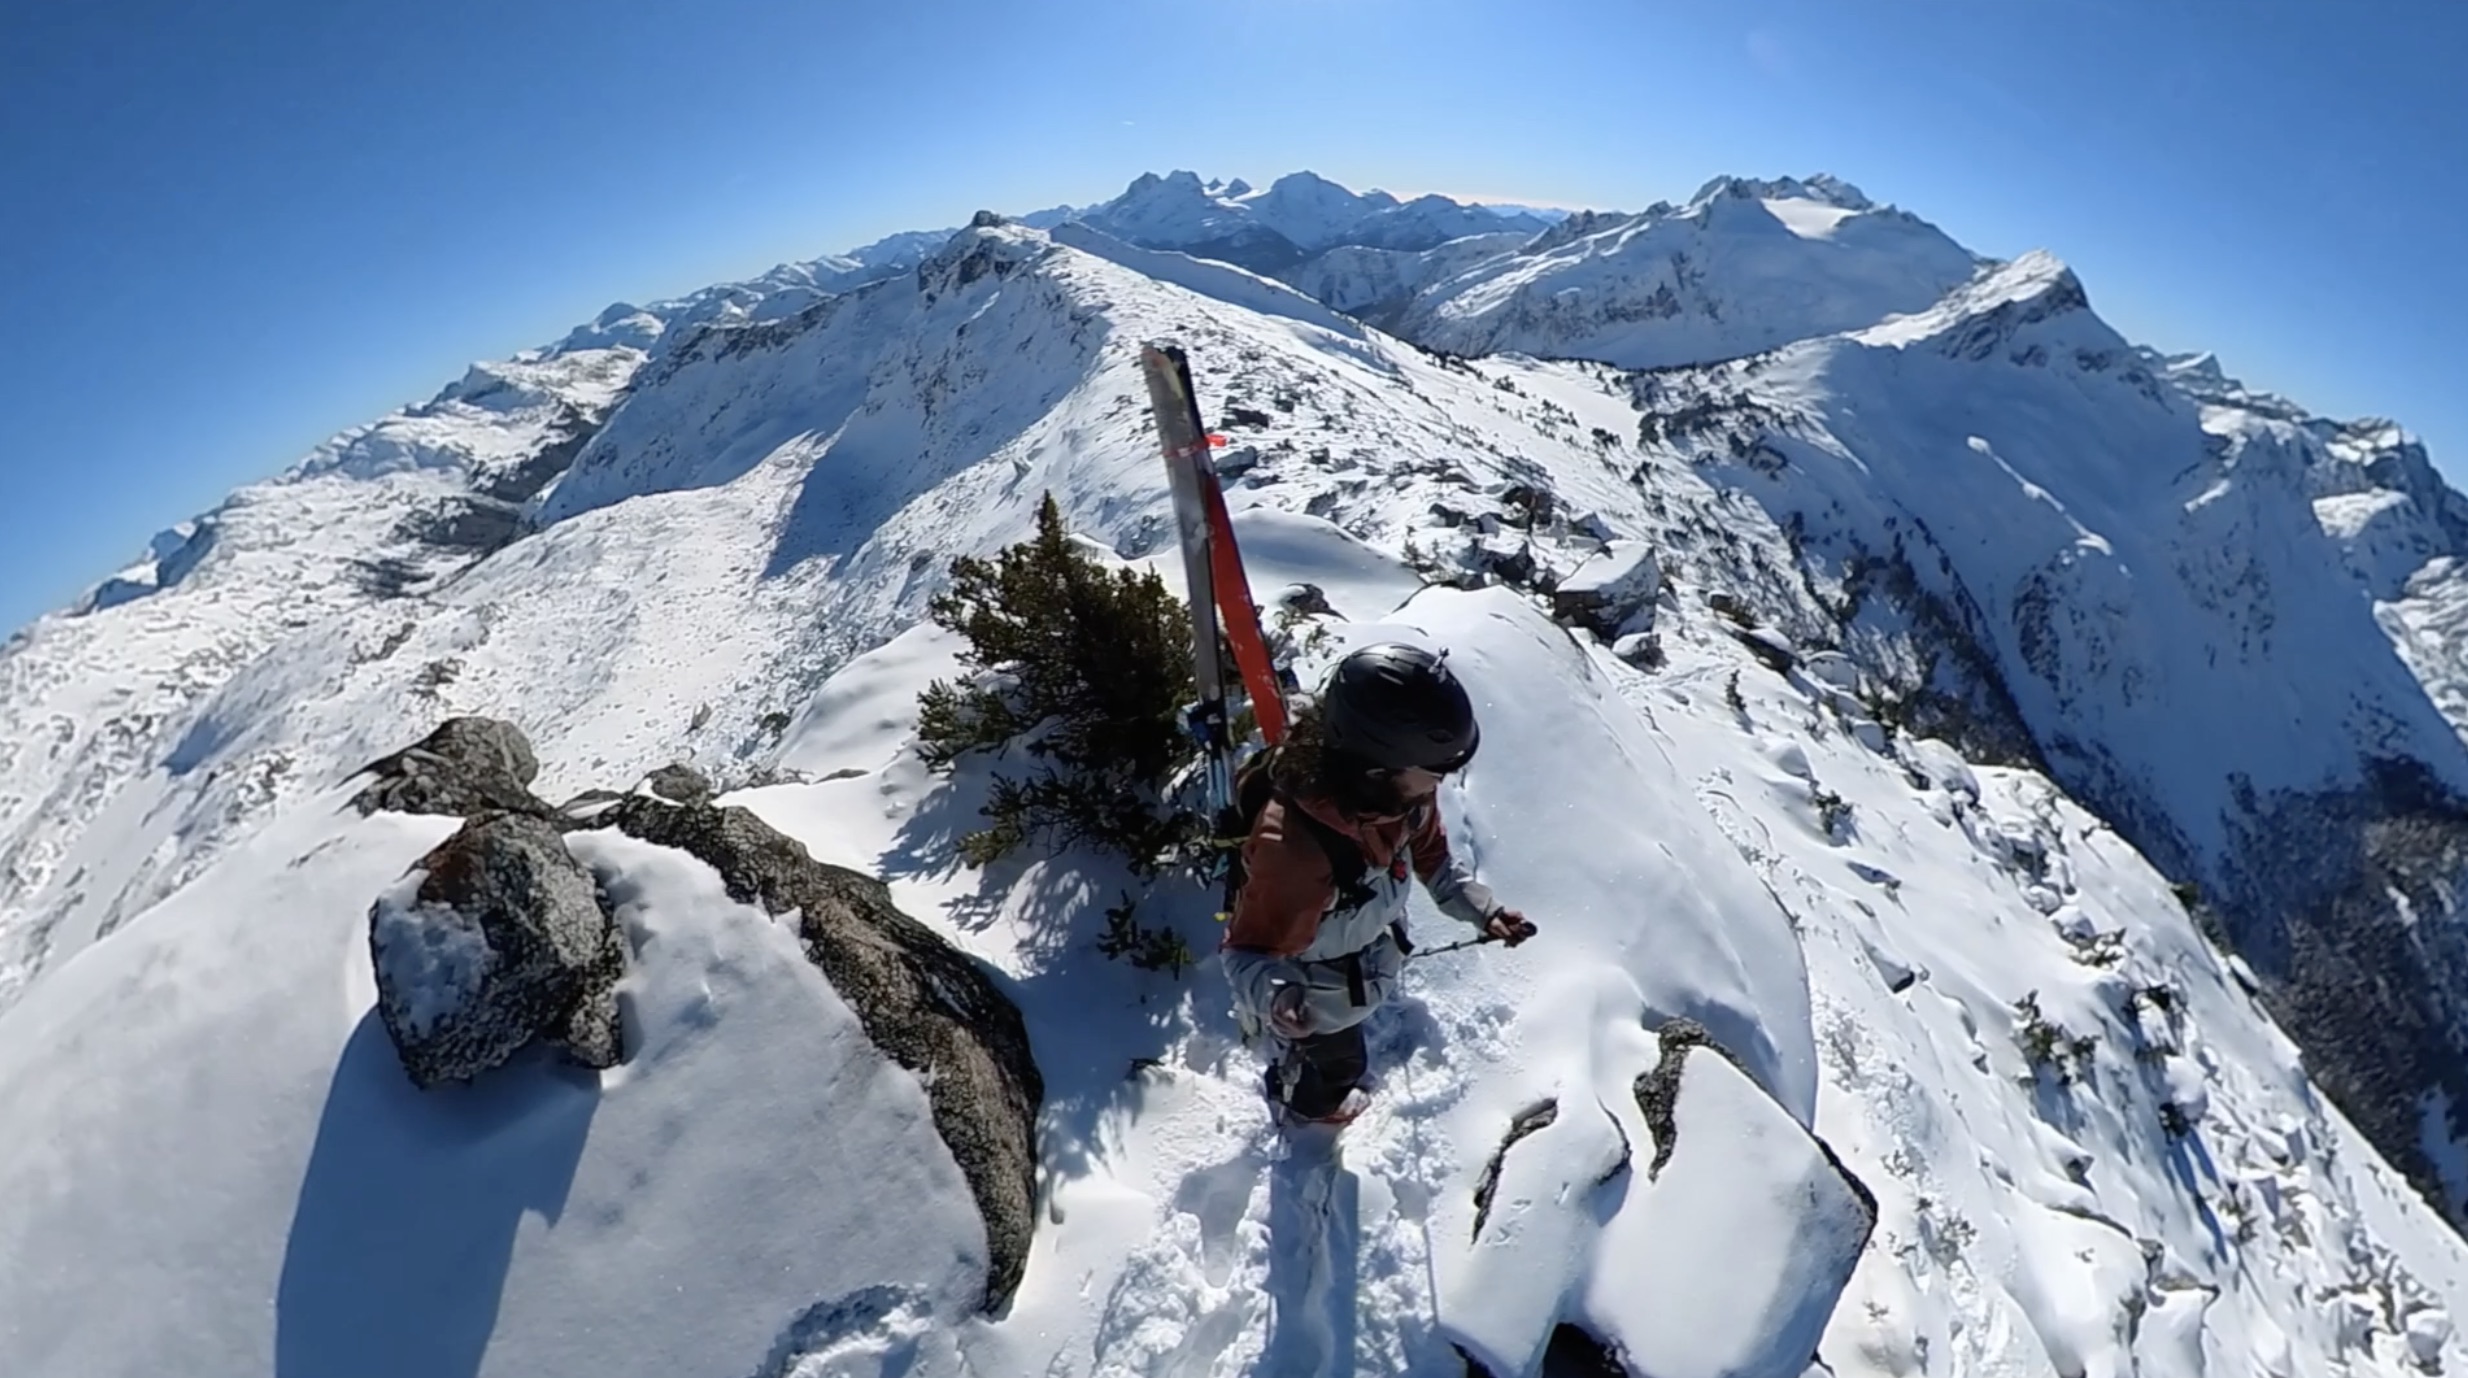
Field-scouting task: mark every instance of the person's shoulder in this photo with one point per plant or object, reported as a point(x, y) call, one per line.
point(1283, 828)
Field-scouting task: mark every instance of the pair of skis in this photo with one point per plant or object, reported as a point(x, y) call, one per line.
point(1222, 615)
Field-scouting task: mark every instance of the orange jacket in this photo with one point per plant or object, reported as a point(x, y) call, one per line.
point(1288, 883)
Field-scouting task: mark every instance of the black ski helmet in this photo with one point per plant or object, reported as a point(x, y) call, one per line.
point(1397, 706)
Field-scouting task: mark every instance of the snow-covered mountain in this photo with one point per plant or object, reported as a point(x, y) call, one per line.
point(1744, 267)
point(1298, 216)
point(2172, 623)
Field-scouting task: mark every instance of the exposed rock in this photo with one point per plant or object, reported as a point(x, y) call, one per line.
point(1727, 605)
point(589, 805)
point(467, 766)
point(1641, 649)
point(1833, 668)
point(680, 783)
point(502, 941)
point(1613, 592)
point(927, 1006)
point(478, 524)
point(1507, 559)
point(1531, 1120)
point(1772, 649)
point(1592, 526)
point(1306, 600)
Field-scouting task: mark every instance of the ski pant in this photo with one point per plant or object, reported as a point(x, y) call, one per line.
point(1315, 1072)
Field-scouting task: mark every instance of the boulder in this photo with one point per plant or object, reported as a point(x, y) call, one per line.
point(467, 766)
point(929, 1007)
point(680, 783)
point(1772, 649)
point(497, 939)
point(1613, 592)
point(1641, 649)
point(1305, 600)
point(1508, 559)
point(1834, 669)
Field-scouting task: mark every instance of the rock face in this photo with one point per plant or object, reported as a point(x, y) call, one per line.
point(501, 940)
point(927, 1006)
point(467, 766)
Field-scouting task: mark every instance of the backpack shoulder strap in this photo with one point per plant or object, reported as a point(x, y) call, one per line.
point(1346, 863)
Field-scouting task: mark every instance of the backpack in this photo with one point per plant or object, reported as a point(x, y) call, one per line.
point(1253, 788)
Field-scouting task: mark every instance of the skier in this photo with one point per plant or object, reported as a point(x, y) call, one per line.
point(1317, 936)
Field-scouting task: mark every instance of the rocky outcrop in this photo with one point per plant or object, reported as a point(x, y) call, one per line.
point(467, 766)
point(1613, 593)
point(501, 940)
point(925, 1004)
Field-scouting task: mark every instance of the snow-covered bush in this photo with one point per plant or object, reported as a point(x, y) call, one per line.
point(1086, 668)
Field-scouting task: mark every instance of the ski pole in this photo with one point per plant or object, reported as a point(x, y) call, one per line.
point(1419, 953)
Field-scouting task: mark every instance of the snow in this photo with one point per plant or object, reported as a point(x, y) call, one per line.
point(733, 573)
point(1749, 1232)
point(218, 1156)
point(1808, 219)
point(1221, 281)
point(434, 956)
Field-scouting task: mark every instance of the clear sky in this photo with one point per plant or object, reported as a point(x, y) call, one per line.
point(228, 230)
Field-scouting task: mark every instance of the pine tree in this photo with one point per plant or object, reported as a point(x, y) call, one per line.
point(1090, 665)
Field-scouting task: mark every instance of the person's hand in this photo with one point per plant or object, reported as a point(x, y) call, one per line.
point(1288, 1015)
point(1509, 926)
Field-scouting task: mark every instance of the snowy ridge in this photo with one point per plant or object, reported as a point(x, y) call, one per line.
point(2091, 1149)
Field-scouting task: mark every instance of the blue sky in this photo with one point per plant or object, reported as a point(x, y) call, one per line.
point(229, 230)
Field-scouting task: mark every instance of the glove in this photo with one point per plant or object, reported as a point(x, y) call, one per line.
point(1288, 1015)
point(1509, 926)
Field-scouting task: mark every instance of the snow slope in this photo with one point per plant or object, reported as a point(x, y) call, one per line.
point(727, 563)
point(116, 786)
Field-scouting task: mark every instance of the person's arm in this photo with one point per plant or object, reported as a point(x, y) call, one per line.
point(1455, 890)
point(1451, 882)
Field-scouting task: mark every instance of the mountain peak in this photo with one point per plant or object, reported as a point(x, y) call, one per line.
point(1823, 188)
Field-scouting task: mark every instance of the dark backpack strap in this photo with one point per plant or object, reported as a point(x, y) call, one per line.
point(1346, 863)
point(1357, 989)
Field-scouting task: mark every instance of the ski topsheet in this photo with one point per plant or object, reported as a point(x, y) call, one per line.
point(1186, 457)
point(1221, 607)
